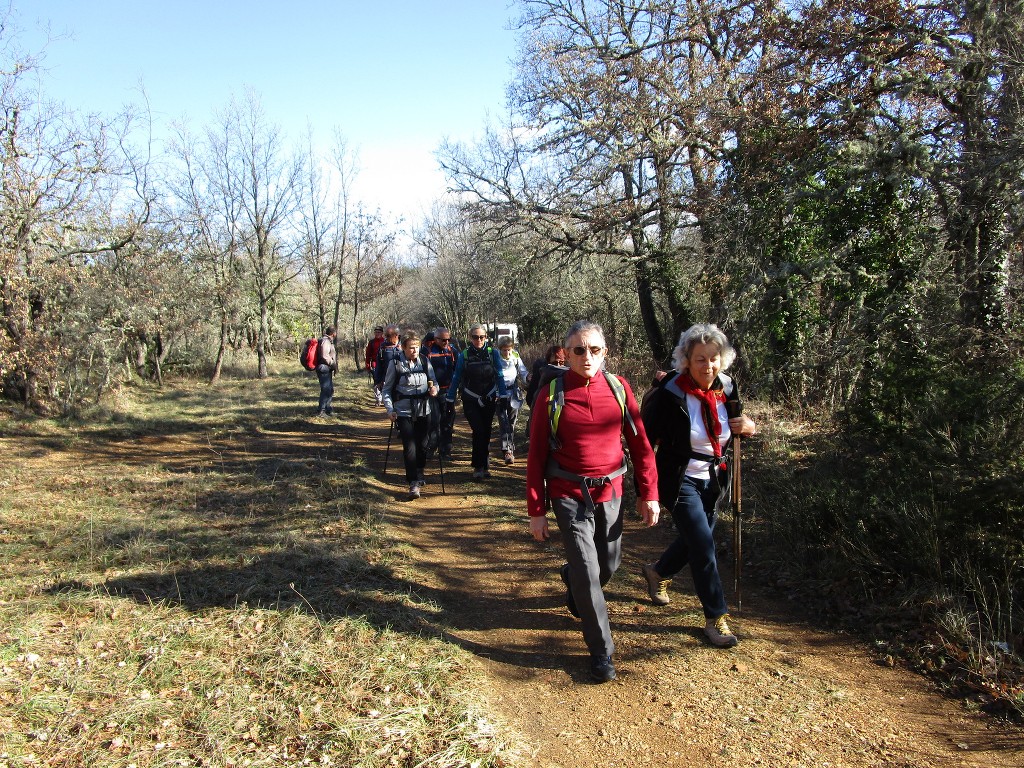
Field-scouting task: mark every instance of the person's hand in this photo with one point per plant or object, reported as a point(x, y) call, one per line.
point(649, 511)
point(539, 527)
point(393, 416)
point(742, 426)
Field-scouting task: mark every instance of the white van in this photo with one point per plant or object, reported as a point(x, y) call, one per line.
point(497, 330)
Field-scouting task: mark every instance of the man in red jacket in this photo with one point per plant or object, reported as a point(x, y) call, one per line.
point(581, 466)
point(372, 348)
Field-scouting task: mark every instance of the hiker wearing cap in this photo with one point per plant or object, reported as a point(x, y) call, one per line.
point(514, 373)
point(576, 460)
point(687, 419)
point(408, 391)
point(442, 356)
point(477, 381)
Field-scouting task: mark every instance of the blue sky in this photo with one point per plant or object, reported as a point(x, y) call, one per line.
point(396, 76)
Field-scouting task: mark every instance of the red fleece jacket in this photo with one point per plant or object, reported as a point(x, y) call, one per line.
point(588, 429)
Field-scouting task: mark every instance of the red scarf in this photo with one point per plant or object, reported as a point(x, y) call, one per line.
point(709, 400)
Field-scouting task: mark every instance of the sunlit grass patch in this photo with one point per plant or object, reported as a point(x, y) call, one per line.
point(91, 680)
point(201, 579)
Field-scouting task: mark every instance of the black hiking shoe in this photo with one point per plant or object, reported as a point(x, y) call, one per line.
point(570, 601)
point(602, 669)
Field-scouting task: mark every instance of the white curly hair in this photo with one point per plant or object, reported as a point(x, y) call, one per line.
point(701, 333)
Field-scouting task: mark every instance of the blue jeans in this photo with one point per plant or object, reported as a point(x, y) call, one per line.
point(593, 548)
point(694, 516)
point(507, 416)
point(326, 376)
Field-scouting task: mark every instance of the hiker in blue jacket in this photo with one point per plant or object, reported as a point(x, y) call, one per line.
point(388, 351)
point(513, 372)
point(478, 381)
point(442, 356)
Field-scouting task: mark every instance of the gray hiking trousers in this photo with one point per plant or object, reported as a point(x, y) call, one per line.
point(593, 549)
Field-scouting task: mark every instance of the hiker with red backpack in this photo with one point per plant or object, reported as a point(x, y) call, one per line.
point(576, 463)
point(326, 367)
point(689, 418)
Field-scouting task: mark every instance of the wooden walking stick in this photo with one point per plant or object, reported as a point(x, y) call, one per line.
point(735, 409)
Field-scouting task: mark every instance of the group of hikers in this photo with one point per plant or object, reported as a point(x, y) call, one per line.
point(583, 421)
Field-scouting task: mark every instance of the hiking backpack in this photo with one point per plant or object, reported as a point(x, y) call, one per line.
point(556, 400)
point(404, 368)
point(478, 370)
point(309, 355)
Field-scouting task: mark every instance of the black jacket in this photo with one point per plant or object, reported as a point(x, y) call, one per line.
point(667, 423)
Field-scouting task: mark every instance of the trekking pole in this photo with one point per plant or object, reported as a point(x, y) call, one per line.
point(387, 455)
point(737, 508)
point(440, 465)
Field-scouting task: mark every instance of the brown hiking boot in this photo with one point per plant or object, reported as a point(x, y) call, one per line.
point(718, 632)
point(657, 585)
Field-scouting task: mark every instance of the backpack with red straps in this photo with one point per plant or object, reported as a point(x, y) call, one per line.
point(309, 354)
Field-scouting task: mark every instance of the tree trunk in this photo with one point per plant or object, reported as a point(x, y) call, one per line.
point(649, 313)
point(218, 364)
point(141, 353)
point(262, 342)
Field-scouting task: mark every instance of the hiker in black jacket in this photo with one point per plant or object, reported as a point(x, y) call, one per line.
point(476, 378)
point(388, 351)
point(687, 419)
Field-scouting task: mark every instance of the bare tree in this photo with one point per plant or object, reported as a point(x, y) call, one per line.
point(628, 112)
point(210, 219)
point(262, 179)
point(326, 219)
point(372, 270)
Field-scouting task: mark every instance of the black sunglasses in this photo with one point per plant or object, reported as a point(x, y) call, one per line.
point(478, 337)
point(581, 351)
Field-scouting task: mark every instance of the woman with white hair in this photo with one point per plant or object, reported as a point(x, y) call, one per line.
point(513, 371)
point(688, 421)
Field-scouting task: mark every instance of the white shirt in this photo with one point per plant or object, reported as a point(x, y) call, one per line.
point(700, 441)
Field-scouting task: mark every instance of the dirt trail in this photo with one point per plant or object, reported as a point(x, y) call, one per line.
point(788, 695)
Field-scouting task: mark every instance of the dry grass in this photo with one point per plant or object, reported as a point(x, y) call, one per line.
point(204, 577)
